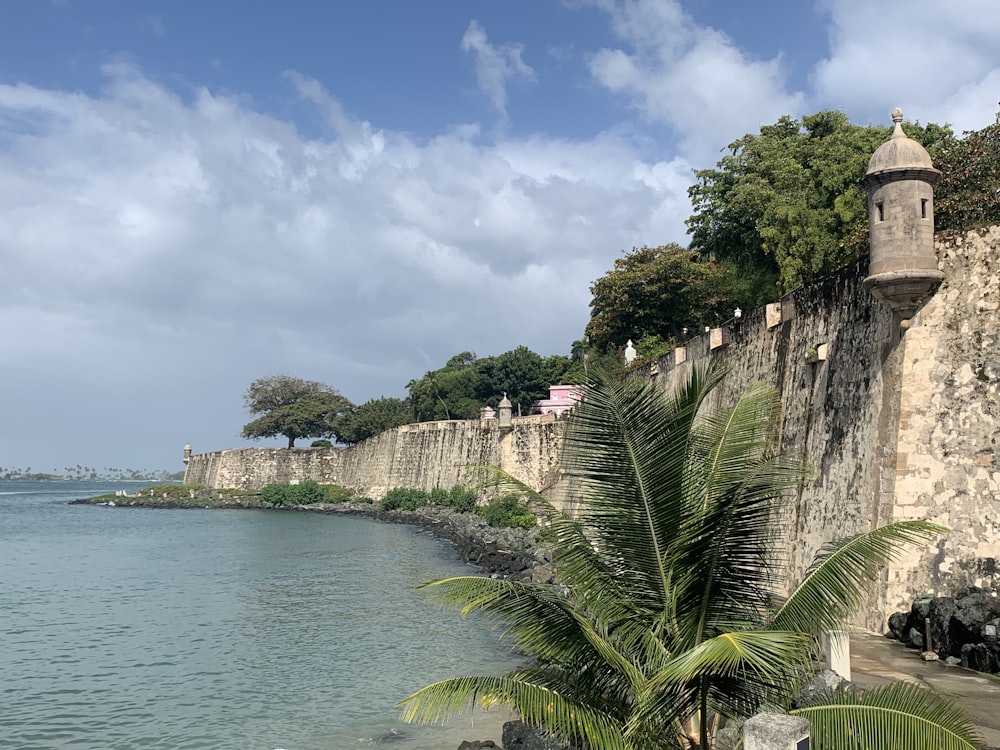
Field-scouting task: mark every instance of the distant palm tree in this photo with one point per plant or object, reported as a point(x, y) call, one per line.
point(666, 621)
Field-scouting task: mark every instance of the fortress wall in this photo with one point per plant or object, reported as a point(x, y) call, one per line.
point(832, 409)
point(894, 424)
point(424, 455)
point(947, 469)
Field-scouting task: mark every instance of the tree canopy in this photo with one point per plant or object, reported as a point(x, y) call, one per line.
point(658, 292)
point(292, 407)
point(968, 193)
point(371, 418)
point(786, 205)
point(467, 383)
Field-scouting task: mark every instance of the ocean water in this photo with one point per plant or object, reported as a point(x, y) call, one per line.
point(125, 628)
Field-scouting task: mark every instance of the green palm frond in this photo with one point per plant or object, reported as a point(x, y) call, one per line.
point(538, 705)
point(725, 552)
point(898, 715)
point(533, 614)
point(838, 578)
point(748, 653)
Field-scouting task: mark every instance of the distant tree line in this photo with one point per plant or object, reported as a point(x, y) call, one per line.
point(82, 473)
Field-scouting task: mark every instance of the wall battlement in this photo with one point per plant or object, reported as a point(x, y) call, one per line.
point(896, 423)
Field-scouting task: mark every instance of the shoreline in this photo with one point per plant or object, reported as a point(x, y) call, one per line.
point(500, 551)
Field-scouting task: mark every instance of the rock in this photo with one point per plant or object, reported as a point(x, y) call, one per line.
point(519, 736)
point(974, 608)
point(897, 625)
point(953, 661)
point(915, 639)
point(941, 610)
point(476, 744)
point(822, 682)
point(977, 656)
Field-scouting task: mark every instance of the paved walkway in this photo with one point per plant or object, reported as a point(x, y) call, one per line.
point(876, 660)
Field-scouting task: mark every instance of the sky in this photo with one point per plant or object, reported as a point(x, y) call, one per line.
point(194, 195)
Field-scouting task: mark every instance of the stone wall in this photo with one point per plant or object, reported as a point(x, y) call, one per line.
point(424, 456)
point(896, 423)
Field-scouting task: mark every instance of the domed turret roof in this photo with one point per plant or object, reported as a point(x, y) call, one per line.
point(901, 154)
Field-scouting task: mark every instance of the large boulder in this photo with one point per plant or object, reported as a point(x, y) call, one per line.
point(958, 627)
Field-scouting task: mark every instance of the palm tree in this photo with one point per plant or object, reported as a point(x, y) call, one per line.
point(666, 622)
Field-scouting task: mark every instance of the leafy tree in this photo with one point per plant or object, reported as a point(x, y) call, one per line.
point(658, 292)
point(371, 418)
point(520, 373)
point(968, 193)
point(786, 205)
point(667, 620)
point(292, 407)
point(447, 393)
point(467, 383)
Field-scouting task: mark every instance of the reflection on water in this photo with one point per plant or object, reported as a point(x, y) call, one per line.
point(128, 628)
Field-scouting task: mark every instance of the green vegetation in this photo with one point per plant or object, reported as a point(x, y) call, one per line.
point(667, 623)
point(467, 383)
point(458, 498)
point(785, 206)
point(320, 444)
point(968, 194)
point(305, 493)
point(508, 510)
point(372, 418)
point(654, 294)
point(292, 407)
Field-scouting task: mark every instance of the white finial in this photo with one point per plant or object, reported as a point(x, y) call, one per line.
point(897, 115)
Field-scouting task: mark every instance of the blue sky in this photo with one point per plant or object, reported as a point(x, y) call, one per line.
point(194, 195)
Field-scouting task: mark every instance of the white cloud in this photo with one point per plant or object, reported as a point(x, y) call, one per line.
point(689, 76)
point(938, 61)
point(165, 251)
point(495, 66)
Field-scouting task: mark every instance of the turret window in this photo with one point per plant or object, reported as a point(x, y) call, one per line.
point(880, 210)
point(923, 208)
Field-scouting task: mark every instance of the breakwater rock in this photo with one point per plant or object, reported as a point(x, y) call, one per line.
point(963, 628)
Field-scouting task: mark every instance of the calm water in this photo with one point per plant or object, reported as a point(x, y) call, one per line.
point(127, 628)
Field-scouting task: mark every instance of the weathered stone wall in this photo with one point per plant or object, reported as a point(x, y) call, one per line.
point(424, 456)
point(895, 424)
point(947, 469)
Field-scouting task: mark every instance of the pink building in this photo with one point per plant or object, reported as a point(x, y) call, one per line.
point(561, 399)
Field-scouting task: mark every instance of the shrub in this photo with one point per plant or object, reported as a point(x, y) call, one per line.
point(507, 510)
point(276, 494)
point(308, 492)
point(338, 494)
point(461, 499)
point(320, 444)
point(404, 498)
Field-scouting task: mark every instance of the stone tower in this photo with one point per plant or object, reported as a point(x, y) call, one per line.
point(903, 271)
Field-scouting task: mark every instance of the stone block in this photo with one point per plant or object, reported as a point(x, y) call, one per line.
point(772, 314)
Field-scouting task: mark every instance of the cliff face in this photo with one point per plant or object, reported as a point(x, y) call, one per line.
point(896, 424)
